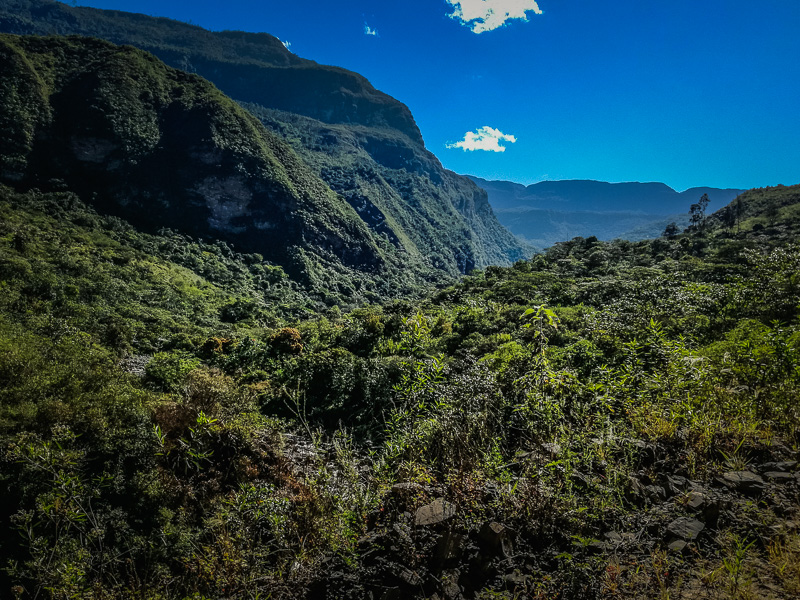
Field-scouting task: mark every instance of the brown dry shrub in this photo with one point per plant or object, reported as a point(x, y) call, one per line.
point(287, 340)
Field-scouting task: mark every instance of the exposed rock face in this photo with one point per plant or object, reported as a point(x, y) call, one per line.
point(226, 200)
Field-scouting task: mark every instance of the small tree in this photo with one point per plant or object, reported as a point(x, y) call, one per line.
point(697, 211)
point(670, 231)
point(728, 216)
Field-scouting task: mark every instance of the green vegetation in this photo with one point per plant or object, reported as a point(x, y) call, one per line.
point(175, 424)
point(252, 67)
point(389, 182)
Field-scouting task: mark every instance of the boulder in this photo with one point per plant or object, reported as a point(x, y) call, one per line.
point(745, 482)
point(437, 511)
point(496, 538)
point(685, 528)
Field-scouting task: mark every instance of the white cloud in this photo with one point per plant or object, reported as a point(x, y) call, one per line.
point(486, 138)
point(369, 30)
point(485, 15)
point(287, 44)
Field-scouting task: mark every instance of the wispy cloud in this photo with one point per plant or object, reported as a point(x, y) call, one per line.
point(287, 44)
point(486, 138)
point(486, 15)
point(369, 30)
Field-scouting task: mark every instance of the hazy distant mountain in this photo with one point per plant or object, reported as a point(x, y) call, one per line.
point(551, 211)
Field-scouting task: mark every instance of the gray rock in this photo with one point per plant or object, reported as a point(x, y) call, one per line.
point(516, 580)
point(656, 493)
point(685, 528)
point(450, 587)
point(399, 489)
point(696, 501)
point(436, 512)
point(410, 578)
point(450, 547)
point(779, 476)
point(636, 487)
point(497, 539)
point(403, 533)
point(677, 545)
point(695, 486)
point(786, 466)
point(675, 484)
point(743, 481)
point(615, 539)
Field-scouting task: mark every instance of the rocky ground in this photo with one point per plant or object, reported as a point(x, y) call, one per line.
point(733, 534)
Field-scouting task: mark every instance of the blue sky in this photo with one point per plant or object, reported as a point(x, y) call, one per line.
point(700, 92)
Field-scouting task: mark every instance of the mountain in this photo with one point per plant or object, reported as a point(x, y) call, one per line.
point(599, 196)
point(164, 148)
point(363, 144)
point(399, 189)
point(765, 215)
point(551, 211)
point(252, 67)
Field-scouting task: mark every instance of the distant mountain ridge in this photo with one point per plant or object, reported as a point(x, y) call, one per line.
point(550, 211)
point(601, 196)
point(251, 67)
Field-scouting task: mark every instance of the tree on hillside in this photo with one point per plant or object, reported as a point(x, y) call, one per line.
point(728, 217)
point(697, 212)
point(670, 231)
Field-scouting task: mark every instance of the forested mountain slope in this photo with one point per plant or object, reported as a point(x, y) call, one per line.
point(164, 148)
point(413, 194)
point(399, 189)
point(605, 420)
